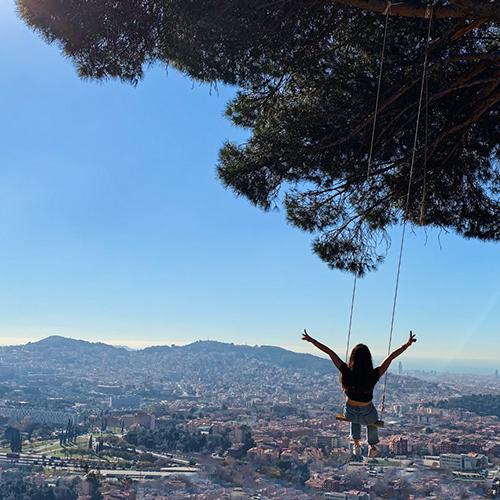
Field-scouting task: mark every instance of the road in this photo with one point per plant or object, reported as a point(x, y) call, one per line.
point(83, 467)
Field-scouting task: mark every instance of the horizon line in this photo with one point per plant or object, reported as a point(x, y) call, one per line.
point(144, 344)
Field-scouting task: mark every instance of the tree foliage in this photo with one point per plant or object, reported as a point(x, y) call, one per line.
point(291, 471)
point(482, 404)
point(14, 436)
point(172, 437)
point(306, 75)
point(24, 489)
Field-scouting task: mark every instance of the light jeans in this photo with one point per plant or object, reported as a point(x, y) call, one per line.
point(363, 415)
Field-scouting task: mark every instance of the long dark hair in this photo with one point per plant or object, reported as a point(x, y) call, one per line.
point(361, 367)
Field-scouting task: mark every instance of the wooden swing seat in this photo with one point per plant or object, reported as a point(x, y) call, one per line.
point(343, 418)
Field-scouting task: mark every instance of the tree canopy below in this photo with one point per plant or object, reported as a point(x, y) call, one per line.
point(306, 76)
point(481, 404)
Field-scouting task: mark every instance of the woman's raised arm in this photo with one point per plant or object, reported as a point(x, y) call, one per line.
point(394, 354)
point(322, 347)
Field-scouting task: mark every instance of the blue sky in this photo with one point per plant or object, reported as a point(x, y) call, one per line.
point(113, 227)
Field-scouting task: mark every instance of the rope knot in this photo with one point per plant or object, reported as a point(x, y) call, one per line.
point(387, 8)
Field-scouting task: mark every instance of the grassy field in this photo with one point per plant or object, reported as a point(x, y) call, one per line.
point(78, 450)
point(52, 447)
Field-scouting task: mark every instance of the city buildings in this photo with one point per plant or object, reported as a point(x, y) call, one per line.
point(256, 423)
point(460, 462)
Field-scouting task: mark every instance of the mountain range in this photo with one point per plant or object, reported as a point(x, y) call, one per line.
point(73, 369)
point(82, 349)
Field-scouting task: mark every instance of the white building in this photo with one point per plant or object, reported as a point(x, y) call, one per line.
point(455, 462)
point(37, 416)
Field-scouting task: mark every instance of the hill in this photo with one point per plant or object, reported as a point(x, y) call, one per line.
point(481, 404)
point(78, 370)
point(58, 342)
point(266, 354)
point(164, 372)
point(68, 349)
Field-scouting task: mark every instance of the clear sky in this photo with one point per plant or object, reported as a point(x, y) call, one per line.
point(114, 227)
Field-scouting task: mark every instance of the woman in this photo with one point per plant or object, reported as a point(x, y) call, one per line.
point(358, 379)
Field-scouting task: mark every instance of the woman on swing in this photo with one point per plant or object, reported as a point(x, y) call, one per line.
point(358, 378)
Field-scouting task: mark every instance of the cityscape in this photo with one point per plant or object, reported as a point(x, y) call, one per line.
point(211, 420)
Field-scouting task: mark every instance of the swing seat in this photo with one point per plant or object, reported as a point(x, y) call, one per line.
point(343, 418)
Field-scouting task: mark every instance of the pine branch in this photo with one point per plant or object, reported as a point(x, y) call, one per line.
point(474, 9)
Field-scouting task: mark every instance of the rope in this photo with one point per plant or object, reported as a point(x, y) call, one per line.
point(349, 333)
point(350, 317)
point(370, 154)
point(426, 129)
point(379, 85)
point(407, 204)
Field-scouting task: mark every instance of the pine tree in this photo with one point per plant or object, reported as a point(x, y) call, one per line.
point(306, 75)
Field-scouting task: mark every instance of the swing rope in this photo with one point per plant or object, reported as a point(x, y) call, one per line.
point(407, 202)
point(350, 317)
point(426, 130)
point(370, 155)
point(379, 85)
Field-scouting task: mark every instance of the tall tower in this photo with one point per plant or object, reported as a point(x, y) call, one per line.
point(400, 368)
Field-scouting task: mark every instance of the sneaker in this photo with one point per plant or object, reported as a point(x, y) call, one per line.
point(356, 449)
point(372, 452)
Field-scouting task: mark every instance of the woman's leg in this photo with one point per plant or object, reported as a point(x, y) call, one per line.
point(353, 417)
point(372, 435)
point(355, 432)
point(370, 417)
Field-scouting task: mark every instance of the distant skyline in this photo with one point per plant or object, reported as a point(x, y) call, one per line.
point(114, 228)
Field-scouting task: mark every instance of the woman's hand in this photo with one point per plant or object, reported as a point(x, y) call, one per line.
point(411, 340)
point(306, 336)
point(322, 347)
